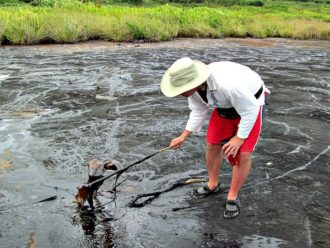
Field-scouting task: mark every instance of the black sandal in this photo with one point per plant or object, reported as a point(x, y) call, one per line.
point(204, 191)
point(232, 209)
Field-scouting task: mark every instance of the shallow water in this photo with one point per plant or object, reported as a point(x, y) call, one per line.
point(62, 105)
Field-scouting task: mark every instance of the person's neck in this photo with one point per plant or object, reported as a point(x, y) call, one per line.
point(203, 87)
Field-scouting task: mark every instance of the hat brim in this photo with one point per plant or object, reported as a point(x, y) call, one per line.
point(171, 91)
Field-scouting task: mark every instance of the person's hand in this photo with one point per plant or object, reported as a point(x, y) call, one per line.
point(177, 142)
point(232, 147)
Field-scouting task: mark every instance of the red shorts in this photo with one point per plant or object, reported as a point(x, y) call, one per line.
point(220, 129)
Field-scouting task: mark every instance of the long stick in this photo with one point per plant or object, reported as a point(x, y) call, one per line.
point(43, 200)
point(153, 195)
point(119, 172)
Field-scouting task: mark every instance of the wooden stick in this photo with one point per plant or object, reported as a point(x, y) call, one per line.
point(22, 204)
point(119, 172)
point(151, 196)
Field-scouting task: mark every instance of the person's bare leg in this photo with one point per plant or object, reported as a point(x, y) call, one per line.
point(240, 174)
point(214, 159)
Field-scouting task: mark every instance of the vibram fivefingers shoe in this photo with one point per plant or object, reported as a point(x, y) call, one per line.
point(232, 209)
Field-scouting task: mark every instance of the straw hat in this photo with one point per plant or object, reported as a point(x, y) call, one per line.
point(183, 75)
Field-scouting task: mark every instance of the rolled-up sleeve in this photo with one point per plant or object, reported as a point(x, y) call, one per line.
point(197, 115)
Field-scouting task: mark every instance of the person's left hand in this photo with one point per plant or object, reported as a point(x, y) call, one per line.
point(232, 146)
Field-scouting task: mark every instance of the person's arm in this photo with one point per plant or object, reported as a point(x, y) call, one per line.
point(198, 113)
point(196, 120)
point(248, 107)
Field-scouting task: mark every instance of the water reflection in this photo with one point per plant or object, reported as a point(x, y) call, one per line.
point(88, 221)
point(96, 225)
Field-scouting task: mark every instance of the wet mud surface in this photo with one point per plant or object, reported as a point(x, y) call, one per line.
point(63, 105)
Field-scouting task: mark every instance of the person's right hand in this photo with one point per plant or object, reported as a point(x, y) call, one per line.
point(177, 142)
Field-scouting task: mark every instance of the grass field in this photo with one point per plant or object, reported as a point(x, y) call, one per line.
point(69, 21)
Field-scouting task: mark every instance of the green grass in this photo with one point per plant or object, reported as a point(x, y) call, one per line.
point(70, 21)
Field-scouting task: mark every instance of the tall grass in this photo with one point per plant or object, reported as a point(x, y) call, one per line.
point(74, 21)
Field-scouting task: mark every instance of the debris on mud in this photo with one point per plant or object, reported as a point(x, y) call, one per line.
point(96, 170)
point(151, 196)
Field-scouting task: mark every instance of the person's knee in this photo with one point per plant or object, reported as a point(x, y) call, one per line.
point(245, 158)
point(213, 149)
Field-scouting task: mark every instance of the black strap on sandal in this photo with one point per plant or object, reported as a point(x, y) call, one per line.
point(204, 191)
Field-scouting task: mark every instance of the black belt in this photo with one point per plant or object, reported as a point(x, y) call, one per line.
point(231, 113)
point(259, 92)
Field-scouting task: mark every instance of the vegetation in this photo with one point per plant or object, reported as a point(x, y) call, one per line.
point(68, 21)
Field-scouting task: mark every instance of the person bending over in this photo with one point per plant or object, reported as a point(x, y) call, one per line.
point(237, 95)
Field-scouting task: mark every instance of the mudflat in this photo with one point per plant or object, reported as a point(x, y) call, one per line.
point(63, 105)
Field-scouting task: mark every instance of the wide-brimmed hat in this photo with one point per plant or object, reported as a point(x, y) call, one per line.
point(183, 75)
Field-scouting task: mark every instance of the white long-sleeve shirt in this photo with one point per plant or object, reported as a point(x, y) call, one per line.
point(229, 85)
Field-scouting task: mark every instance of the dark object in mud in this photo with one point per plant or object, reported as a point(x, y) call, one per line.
point(151, 196)
point(51, 198)
point(86, 191)
point(47, 199)
point(96, 169)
